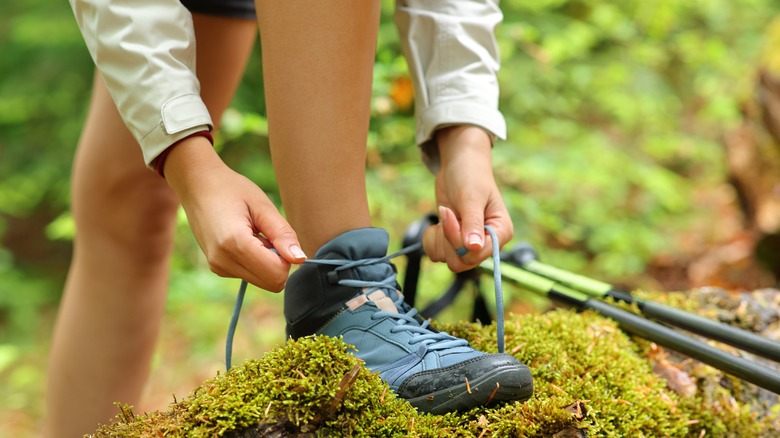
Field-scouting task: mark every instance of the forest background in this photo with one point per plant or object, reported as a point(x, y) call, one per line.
point(629, 126)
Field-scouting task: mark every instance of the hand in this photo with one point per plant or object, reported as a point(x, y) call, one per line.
point(468, 198)
point(233, 221)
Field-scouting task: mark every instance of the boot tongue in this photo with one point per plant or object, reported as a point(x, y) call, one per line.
point(363, 243)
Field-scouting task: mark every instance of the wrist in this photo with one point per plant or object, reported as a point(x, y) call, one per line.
point(463, 143)
point(188, 161)
point(159, 162)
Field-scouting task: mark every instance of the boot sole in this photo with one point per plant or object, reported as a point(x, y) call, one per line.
point(511, 382)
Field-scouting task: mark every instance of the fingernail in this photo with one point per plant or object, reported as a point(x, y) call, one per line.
point(442, 214)
point(475, 239)
point(297, 252)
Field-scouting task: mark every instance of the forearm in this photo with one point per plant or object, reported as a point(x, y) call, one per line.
point(453, 59)
point(145, 50)
point(465, 147)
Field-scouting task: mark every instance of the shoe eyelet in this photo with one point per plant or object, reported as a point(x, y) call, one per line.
point(332, 277)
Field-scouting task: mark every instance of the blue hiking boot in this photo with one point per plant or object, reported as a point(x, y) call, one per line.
point(349, 290)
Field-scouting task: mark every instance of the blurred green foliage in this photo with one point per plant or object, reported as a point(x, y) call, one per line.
point(615, 113)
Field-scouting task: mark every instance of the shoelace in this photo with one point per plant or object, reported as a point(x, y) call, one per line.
point(406, 321)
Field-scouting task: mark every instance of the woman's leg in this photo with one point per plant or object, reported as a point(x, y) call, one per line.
point(318, 59)
point(115, 293)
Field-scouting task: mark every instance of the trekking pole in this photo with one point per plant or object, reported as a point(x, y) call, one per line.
point(637, 325)
point(413, 235)
point(524, 256)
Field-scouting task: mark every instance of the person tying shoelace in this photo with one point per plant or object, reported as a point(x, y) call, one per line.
point(318, 58)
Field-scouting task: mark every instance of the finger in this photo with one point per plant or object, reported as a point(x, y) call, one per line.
point(432, 243)
point(264, 240)
point(246, 257)
point(442, 242)
point(451, 228)
point(504, 231)
point(499, 220)
point(472, 223)
point(438, 249)
point(262, 267)
point(279, 233)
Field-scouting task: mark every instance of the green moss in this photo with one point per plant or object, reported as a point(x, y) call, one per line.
point(586, 358)
point(588, 375)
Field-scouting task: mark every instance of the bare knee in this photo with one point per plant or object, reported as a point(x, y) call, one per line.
point(133, 216)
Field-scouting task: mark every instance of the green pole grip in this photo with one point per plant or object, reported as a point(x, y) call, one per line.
point(588, 285)
point(534, 282)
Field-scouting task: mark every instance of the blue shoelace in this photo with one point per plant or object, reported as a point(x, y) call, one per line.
point(406, 321)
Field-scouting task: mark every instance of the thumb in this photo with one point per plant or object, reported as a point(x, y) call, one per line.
point(450, 227)
point(472, 218)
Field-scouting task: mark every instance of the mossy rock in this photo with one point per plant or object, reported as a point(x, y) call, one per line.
point(590, 380)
